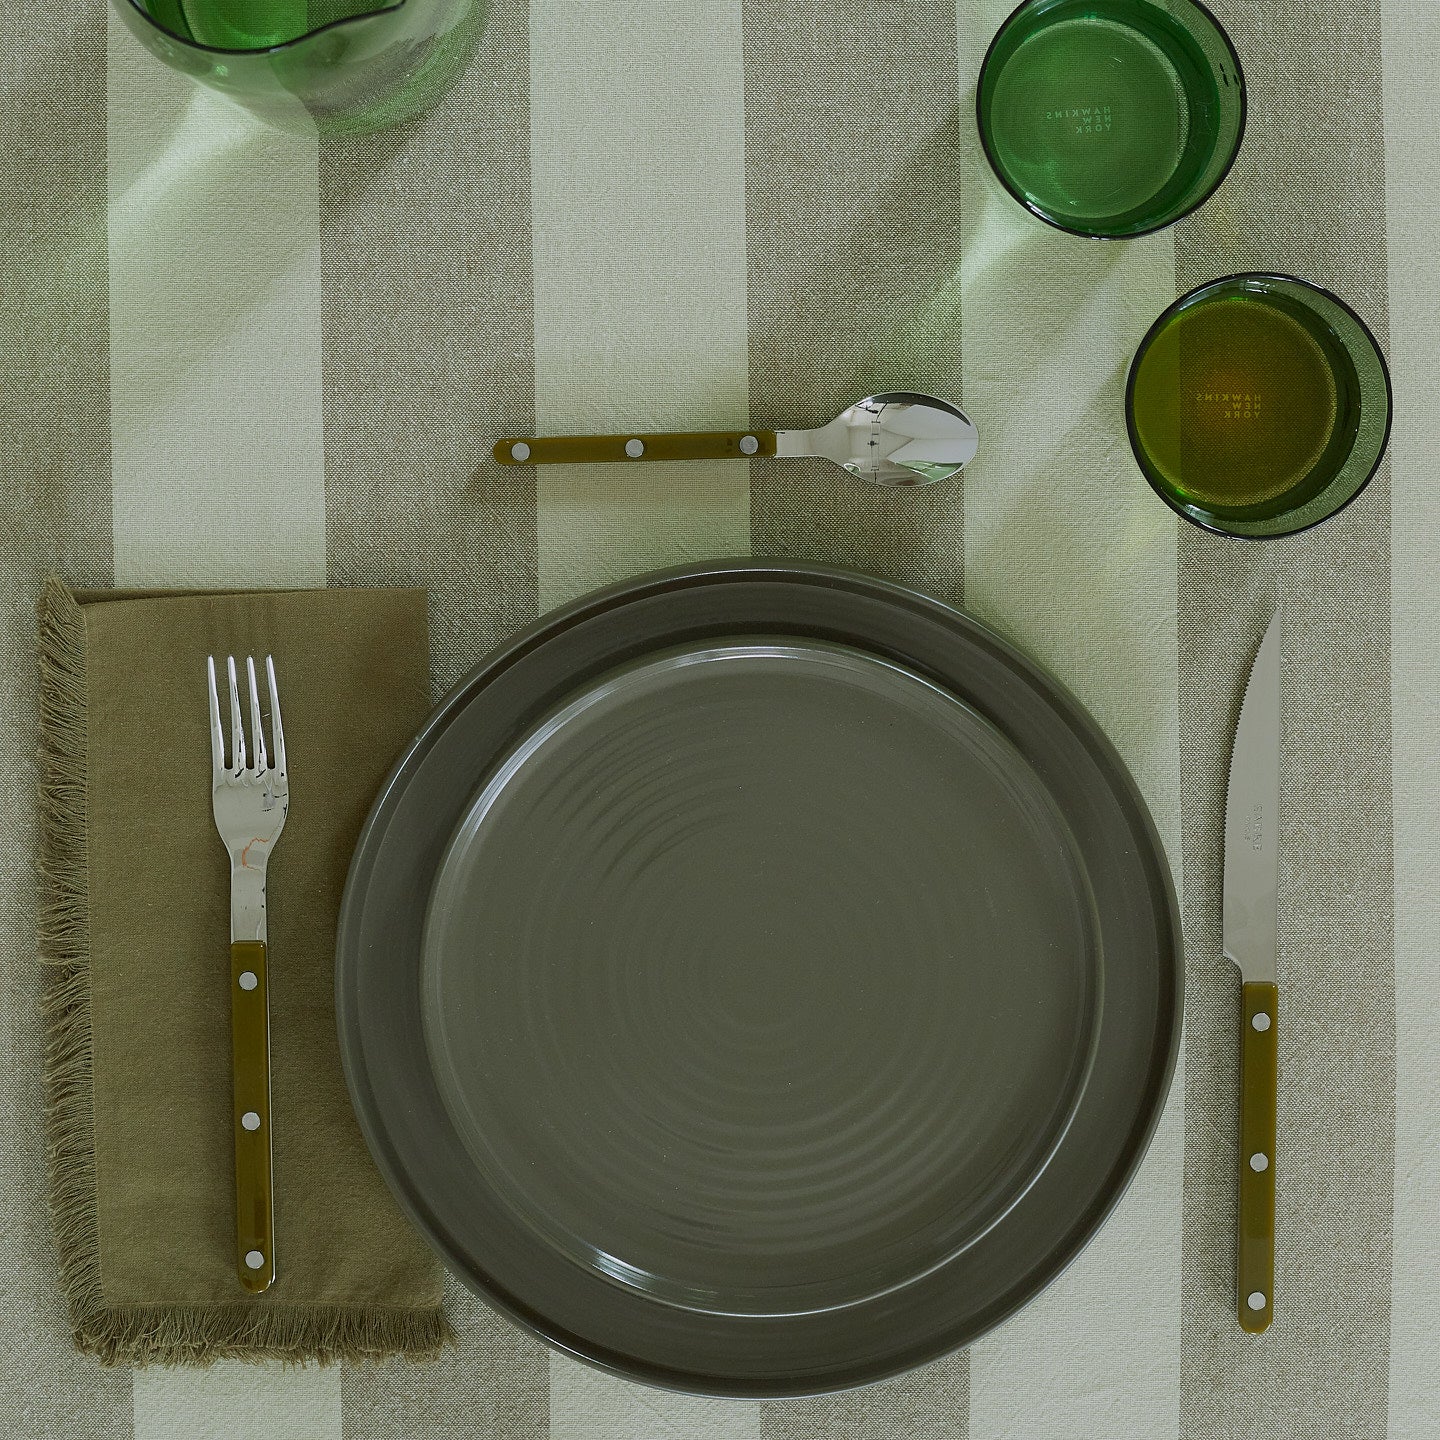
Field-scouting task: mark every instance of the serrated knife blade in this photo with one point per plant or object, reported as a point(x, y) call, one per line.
point(1252, 820)
point(1250, 937)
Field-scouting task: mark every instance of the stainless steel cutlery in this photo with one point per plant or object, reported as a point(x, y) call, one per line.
point(1250, 937)
point(251, 796)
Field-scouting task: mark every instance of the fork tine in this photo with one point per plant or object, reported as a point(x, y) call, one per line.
point(237, 725)
point(217, 733)
point(257, 736)
point(276, 726)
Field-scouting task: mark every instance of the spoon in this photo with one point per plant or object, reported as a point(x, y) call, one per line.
point(898, 438)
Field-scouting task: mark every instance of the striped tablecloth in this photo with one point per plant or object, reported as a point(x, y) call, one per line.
point(229, 358)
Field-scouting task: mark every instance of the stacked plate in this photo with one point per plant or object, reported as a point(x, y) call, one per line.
point(758, 979)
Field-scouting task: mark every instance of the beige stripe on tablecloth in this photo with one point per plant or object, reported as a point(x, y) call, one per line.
point(425, 308)
point(1412, 174)
point(55, 464)
point(855, 238)
point(1306, 197)
point(1069, 553)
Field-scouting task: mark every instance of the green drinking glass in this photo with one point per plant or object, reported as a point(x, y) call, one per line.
point(1258, 405)
point(332, 67)
point(1110, 118)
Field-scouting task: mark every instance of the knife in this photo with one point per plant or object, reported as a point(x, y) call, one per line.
point(1250, 927)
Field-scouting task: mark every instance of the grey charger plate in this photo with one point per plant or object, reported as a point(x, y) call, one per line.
point(758, 979)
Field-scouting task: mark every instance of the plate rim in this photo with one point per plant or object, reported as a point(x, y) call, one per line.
point(1160, 1073)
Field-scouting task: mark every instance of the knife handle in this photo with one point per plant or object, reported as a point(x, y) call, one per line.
point(1255, 1250)
point(250, 1045)
point(570, 449)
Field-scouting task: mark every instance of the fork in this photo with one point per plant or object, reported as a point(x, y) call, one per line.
point(250, 803)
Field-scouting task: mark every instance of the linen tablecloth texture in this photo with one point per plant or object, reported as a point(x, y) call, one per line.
point(136, 930)
point(720, 212)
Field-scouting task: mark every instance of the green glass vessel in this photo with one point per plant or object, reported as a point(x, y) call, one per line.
point(1258, 405)
point(1110, 118)
point(327, 67)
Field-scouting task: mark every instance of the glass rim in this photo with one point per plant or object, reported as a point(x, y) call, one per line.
point(1076, 230)
point(191, 44)
point(1167, 314)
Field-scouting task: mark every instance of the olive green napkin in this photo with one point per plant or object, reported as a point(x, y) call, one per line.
point(135, 926)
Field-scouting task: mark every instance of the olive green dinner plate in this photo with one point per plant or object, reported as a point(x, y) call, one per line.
point(758, 979)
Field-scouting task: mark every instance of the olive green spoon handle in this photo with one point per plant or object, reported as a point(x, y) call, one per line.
point(900, 438)
point(584, 449)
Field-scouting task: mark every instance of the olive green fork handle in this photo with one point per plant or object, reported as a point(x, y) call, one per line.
point(1255, 1250)
point(254, 1191)
point(570, 449)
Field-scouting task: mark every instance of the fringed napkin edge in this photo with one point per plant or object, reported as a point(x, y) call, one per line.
point(152, 1334)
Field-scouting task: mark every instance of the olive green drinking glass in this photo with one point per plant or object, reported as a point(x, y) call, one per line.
point(332, 67)
point(1258, 405)
point(1110, 118)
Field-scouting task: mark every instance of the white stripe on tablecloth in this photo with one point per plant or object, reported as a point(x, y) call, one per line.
point(218, 471)
point(215, 337)
point(1067, 551)
point(638, 205)
point(237, 1401)
point(638, 196)
point(1412, 200)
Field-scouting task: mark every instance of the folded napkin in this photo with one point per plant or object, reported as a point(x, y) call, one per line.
point(135, 927)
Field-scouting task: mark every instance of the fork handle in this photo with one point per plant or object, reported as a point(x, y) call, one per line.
point(250, 1044)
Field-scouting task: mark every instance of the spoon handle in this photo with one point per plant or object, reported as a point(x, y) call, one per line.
point(569, 449)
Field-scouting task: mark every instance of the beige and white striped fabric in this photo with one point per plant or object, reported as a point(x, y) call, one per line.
point(685, 214)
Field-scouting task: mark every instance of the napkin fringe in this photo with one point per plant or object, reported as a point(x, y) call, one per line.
point(314, 1334)
point(64, 947)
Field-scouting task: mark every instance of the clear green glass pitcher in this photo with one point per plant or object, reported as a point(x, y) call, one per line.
point(336, 67)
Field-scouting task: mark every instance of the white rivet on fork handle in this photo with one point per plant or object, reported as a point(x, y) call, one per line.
point(254, 1259)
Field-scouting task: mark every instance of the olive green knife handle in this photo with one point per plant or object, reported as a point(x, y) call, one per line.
point(571, 449)
point(250, 1042)
point(1255, 1252)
